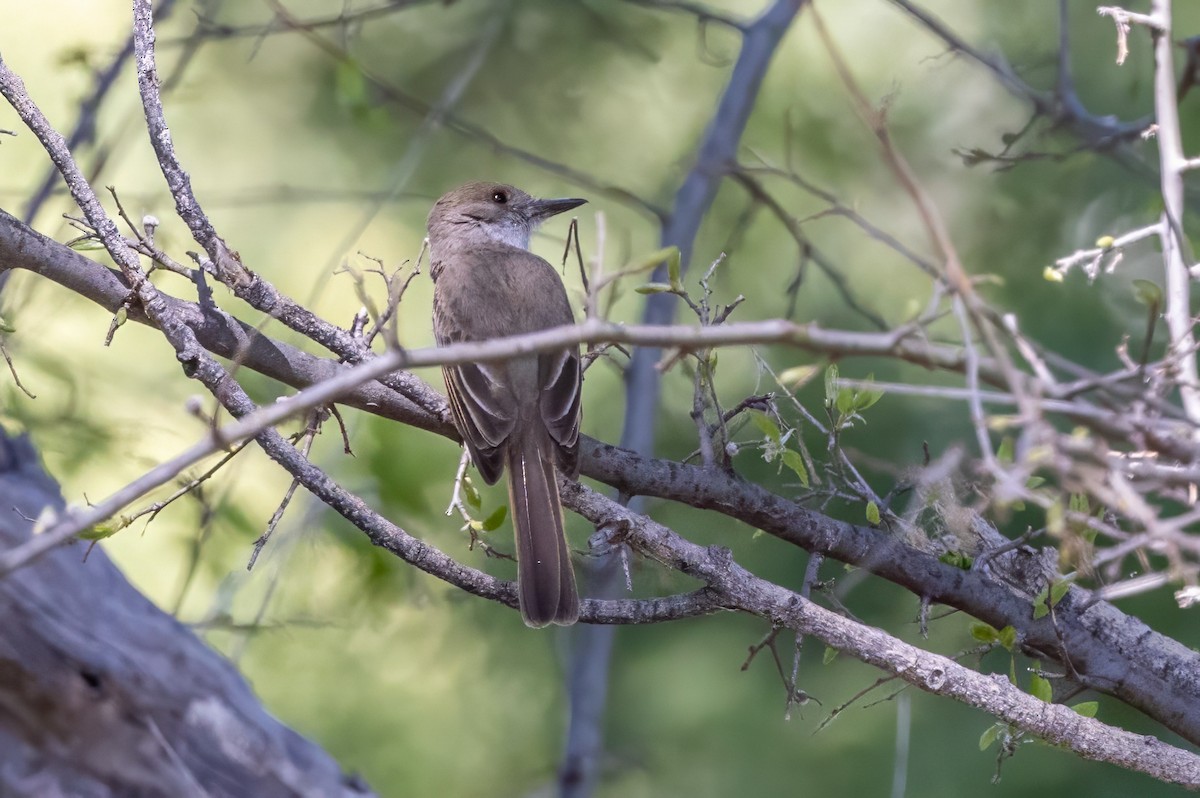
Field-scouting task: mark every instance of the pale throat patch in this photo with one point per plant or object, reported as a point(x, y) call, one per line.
point(515, 235)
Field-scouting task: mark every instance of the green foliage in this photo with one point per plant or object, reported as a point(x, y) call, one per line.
point(102, 531)
point(795, 462)
point(848, 402)
point(957, 559)
point(87, 244)
point(495, 519)
point(984, 633)
point(775, 445)
point(1004, 453)
point(1039, 688)
point(350, 85)
point(766, 426)
point(668, 255)
point(1050, 595)
point(470, 493)
point(656, 288)
point(1148, 293)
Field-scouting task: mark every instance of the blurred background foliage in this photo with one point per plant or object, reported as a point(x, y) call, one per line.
point(306, 167)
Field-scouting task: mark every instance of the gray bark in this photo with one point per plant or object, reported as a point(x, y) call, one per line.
point(102, 694)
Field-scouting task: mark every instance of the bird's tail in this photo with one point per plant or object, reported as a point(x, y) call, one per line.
point(545, 578)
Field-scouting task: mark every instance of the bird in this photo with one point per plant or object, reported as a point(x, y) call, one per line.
point(521, 415)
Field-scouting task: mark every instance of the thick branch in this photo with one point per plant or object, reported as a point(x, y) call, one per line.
point(737, 587)
point(102, 694)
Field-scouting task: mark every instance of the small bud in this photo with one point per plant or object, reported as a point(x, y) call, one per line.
point(1052, 274)
point(1104, 242)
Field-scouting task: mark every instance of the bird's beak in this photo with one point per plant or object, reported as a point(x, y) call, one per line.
point(541, 209)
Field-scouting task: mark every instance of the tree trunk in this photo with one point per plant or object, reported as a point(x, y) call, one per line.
point(103, 694)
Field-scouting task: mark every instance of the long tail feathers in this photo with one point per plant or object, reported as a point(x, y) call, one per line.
point(545, 578)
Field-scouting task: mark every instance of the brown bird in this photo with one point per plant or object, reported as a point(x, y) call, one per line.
point(521, 414)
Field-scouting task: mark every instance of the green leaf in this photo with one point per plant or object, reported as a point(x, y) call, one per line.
point(673, 262)
point(471, 493)
point(1148, 293)
point(350, 85)
point(1005, 451)
point(1039, 688)
point(796, 376)
point(493, 521)
point(122, 316)
point(86, 244)
point(866, 398)
point(653, 259)
point(873, 513)
point(1078, 503)
point(1088, 708)
point(1007, 637)
point(845, 401)
point(1058, 590)
point(767, 426)
point(103, 530)
point(1040, 608)
point(830, 655)
point(1054, 519)
point(989, 736)
point(984, 633)
point(957, 559)
point(794, 461)
point(5, 326)
point(831, 384)
point(655, 288)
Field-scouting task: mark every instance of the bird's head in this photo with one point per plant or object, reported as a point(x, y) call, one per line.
point(498, 211)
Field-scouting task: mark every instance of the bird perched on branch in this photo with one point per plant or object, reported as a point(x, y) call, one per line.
point(521, 414)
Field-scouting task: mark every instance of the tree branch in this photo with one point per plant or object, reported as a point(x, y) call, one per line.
point(103, 694)
point(933, 673)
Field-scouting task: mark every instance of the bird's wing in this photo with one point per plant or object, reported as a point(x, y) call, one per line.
point(483, 415)
point(483, 408)
point(560, 378)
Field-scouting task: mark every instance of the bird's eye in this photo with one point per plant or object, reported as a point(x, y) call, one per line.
point(500, 197)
